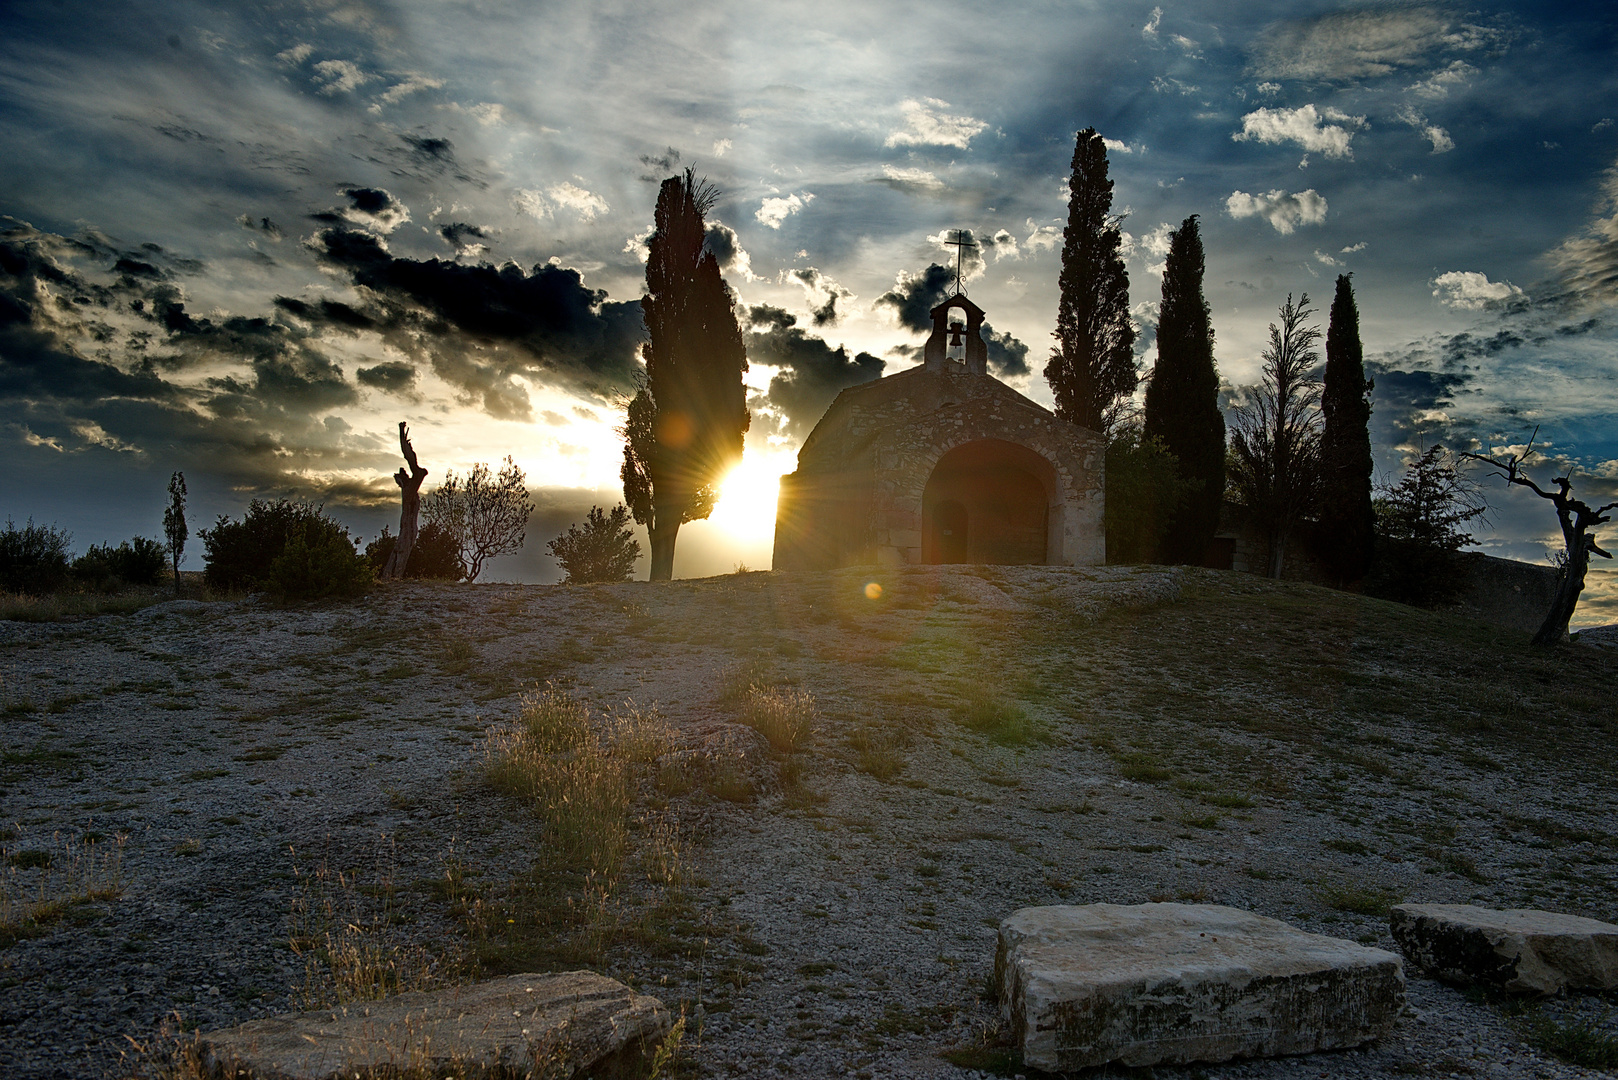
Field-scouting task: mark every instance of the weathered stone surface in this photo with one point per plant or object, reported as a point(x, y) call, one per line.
point(1520, 951)
point(1175, 983)
point(546, 1025)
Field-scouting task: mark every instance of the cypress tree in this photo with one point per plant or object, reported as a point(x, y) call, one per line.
point(1347, 522)
point(1182, 400)
point(685, 427)
point(1092, 366)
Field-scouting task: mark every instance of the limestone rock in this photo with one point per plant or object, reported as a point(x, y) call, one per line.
point(1176, 983)
point(546, 1025)
point(1520, 951)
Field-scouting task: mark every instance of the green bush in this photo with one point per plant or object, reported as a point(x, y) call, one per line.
point(289, 549)
point(436, 554)
point(1144, 488)
point(137, 561)
point(603, 550)
point(33, 558)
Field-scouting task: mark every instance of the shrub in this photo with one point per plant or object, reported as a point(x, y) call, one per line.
point(33, 559)
point(137, 561)
point(604, 550)
point(1144, 487)
point(291, 549)
point(436, 554)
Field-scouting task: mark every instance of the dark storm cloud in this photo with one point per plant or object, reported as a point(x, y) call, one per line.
point(812, 372)
point(260, 225)
point(726, 247)
point(464, 238)
point(824, 294)
point(429, 150)
point(913, 298)
point(544, 324)
point(660, 166)
point(394, 376)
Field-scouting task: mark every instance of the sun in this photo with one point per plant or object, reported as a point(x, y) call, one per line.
point(747, 496)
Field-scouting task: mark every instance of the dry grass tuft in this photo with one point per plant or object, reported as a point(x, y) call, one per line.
point(38, 886)
point(783, 715)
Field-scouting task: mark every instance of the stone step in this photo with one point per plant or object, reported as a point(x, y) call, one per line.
point(560, 1024)
point(1178, 983)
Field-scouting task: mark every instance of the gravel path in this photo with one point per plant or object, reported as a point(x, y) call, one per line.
point(846, 926)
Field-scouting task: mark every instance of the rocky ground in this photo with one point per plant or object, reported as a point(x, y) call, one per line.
point(986, 739)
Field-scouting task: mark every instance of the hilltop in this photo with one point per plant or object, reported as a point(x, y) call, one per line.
point(984, 738)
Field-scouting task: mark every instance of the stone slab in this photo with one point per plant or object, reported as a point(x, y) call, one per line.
point(1519, 951)
point(541, 1025)
point(1176, 983)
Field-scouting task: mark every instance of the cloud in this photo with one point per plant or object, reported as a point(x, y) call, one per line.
point(296, 55)
point(1588, 262)
point(1352, 248)
point(564, 196)
point(822, 294)
point(721, 147)
point(1442, 143)
point(916, 181)
point(726, 248)
point(660, 165)
point(811, 373)
point(1360, 44)
point(1149, 31)
point(483, 327)
point(586, 204)
point(372, 208)
point(1328, 132)
point(1155, 244)
point(926, 124)
point(464, 238)
point(264, 225)
point(1283, 211)
point(773, 211)
point(1041, 237)
point(411, 84)
point(393, 376)
point(1327, 260)
point(340, 76)
point(1471, 291)
point(1438, 84)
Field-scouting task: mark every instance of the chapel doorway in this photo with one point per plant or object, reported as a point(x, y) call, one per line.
point(988, 501)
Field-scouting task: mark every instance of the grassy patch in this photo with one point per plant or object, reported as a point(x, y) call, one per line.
point(40, 887)
point(784, 715)
point(1576, 1041)
point(1358, 899)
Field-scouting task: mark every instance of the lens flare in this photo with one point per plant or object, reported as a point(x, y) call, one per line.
point(873, 591)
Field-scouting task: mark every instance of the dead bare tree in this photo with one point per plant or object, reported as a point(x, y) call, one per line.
point(1577, 518)
point(410, 512)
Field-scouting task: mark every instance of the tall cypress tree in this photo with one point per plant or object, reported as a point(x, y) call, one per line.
point(685, 427)
point(1092, 365)
point(1347, 522)
point(1182, 400)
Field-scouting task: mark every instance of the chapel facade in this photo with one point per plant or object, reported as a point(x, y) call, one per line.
point(943, 463)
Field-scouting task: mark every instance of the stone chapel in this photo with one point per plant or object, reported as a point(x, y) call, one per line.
point(942, 463)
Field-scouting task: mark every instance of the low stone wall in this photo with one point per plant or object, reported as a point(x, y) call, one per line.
point(1506, 592)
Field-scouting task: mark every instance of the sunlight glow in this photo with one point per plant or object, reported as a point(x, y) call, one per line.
point(746, 506)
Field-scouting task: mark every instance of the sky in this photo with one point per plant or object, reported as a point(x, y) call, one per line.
point(246, 241)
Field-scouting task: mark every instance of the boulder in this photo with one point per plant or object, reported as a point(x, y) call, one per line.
point(1520, 951)
point(539, 1025)
point(1176, 983)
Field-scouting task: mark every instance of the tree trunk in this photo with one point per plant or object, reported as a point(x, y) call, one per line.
point(409, 511)
point(662, 537)
point(1278, 553)
point(1553, 631)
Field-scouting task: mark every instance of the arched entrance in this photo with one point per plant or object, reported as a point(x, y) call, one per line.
point(989, 501)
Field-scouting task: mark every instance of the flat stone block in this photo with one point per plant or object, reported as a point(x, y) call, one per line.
point(542, 1025)
point(1520, 951)
point(1176, 983)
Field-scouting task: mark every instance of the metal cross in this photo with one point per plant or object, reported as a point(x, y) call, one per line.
point(959, 244)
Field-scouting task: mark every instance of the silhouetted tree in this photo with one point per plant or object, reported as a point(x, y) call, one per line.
point(1347, 522)
point(1419, 534)
point(409, 511)
point(685, 427)
point(1144, 488)
point(487, 513)
point(33, 558)
point(1092, 366)
point(436, 554)
point(1182, 399)
point(1274, 466)
point(174, 524)
point(291, 550)
point(1576, 517)
point(604, 550)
